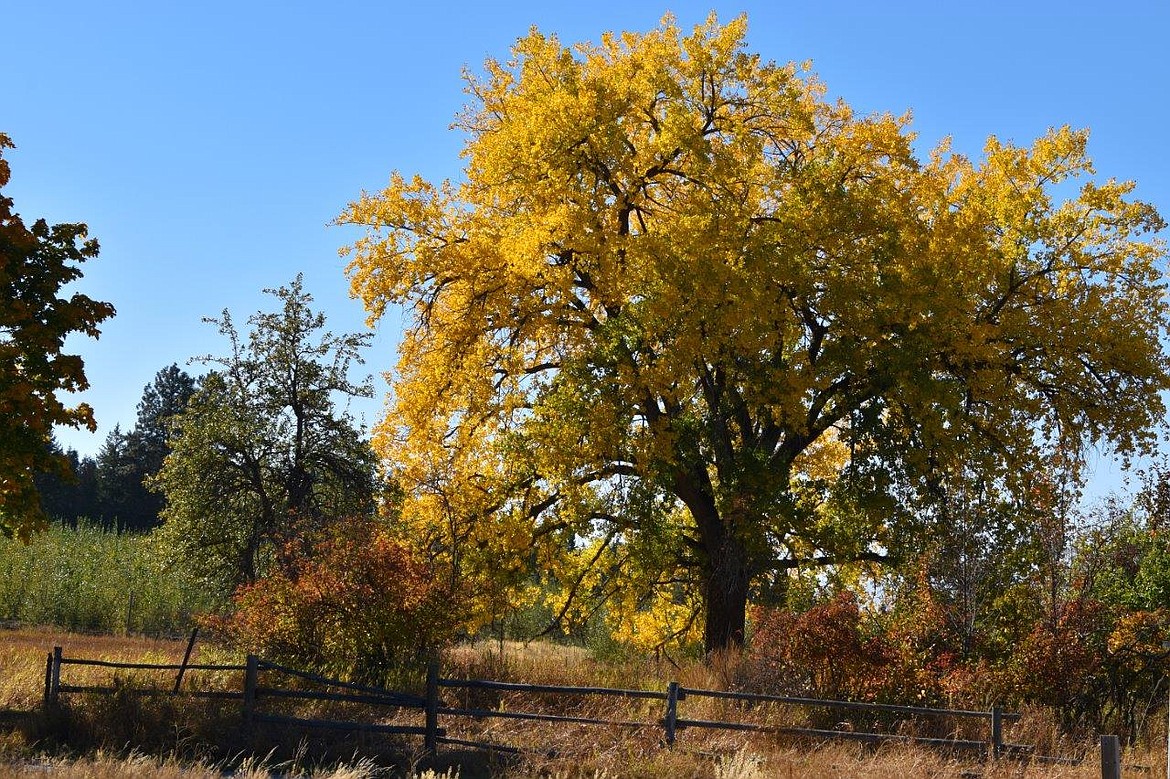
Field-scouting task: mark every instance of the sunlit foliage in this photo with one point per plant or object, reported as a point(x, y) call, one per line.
point(689, 323)
point(35, 263)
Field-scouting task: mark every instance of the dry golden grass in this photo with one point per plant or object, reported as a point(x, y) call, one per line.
point(599, 752)
point(834, 762)
point(90, 722)
point(103, 766)
point(23, 653)
point(566, 751)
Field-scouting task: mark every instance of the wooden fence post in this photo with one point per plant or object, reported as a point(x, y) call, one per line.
point(186, 659)
point(1110, 757)
point(55, 678)
point(996, 731)
point(48, 678)
point(670, 721)
point(250, 673)
point(431, 737)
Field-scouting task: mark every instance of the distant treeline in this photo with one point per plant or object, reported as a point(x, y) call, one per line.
point(111, 489)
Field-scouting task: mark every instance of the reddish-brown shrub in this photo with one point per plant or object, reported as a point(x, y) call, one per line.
point(354, 602)
point(825, 652)
point(1062, 663)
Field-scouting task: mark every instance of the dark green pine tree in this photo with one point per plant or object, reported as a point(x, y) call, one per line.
point(128, 459)
point(69, 497)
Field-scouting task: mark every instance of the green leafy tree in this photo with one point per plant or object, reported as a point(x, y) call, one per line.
point(261, 456)
point(1124, 558)
point(1101, 657)
point(989, 552)
point(35, 263)
point(682, 303)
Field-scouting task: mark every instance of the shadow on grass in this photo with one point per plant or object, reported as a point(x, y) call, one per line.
point(213, 733)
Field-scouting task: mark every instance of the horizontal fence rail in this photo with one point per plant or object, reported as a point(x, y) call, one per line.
point(892, 708)
point(98, 690)
point(252, 693)
point(149, 666)
point(534, 717)
point(480, 684)
point(996, 717)
point(362, 693)
point(354, 727)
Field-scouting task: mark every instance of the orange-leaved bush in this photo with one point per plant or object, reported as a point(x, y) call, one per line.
point(838, 650)
point(357, 603)
point(825, 652)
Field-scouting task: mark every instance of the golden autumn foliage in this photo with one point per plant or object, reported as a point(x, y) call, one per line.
point(684, 323)
point(34, 322)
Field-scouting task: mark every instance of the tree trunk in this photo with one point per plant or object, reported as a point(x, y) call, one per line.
point(726, 572)
point(725, 595)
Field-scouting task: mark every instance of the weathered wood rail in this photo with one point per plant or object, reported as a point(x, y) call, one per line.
point(54, 686)
point(251, 692)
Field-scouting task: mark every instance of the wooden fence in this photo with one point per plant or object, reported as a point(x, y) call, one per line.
point(251, 692)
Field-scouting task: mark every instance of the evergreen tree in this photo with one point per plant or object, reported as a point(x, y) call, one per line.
point(73, 495)
point(128, 459)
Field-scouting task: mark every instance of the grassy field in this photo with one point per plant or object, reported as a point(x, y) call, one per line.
point(23, 652)
point(121, 736)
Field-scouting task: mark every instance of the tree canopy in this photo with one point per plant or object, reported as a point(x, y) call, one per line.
point(35, 263)
point(685, 324)
point(261, 455)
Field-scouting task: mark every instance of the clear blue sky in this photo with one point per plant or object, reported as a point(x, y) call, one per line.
point(209, 144)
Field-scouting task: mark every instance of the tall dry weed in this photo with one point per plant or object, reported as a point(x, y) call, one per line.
point(140, 766)
point(741, 765)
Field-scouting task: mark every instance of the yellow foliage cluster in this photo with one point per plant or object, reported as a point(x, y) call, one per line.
point(676, 278)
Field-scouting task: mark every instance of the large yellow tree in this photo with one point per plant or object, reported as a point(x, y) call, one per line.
point(684, 324)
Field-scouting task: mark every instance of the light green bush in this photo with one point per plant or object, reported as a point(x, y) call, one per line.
point(89, 579)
